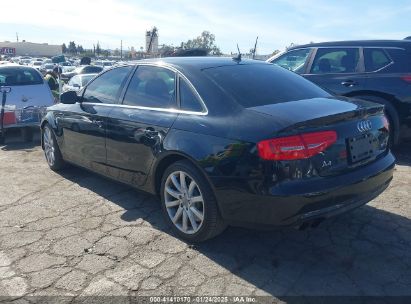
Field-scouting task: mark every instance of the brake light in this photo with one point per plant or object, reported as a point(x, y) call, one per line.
point(296, 147)
point(406, 78)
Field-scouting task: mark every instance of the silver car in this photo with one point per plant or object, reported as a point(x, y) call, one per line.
point(27, 99)
point(77, 82)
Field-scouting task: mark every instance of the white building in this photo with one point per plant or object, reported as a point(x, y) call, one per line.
point(153, 37)
point(29, 48)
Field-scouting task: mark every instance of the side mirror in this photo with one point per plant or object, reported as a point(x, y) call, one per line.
point(69, 97)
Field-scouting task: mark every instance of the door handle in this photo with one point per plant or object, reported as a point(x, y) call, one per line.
point(349, 83)
point(98, 122)
point(150, 133)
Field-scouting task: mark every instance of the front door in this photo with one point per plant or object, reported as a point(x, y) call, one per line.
point(136, 130)
point(84, 125)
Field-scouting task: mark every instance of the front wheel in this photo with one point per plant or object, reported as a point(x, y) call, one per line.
point(189, 204)
point(51, 149)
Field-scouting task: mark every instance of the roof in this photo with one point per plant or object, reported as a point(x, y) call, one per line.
point(386, 43)
point(198, 63)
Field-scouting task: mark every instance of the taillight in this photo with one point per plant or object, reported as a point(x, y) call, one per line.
point(296, 147)
point(406, 78)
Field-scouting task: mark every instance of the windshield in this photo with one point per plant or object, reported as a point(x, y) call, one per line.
point(253, 85)
point(37, 63)
point(12, 76)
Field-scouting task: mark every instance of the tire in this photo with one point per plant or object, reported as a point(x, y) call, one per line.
point(51, 149)
point(196, 202)
point(27, 134)
point(392, 115)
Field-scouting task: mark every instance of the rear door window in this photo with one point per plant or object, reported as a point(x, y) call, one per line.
point(293, 60)
point(335, 60)
point(375, 59)
point(152, 87)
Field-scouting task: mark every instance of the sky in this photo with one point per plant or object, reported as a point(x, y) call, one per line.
point(277, 23)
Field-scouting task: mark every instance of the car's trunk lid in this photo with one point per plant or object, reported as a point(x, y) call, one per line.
point(361, 134)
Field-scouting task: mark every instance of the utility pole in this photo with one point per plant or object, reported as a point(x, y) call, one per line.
point(121, 50)
point(255, 47)
point(17, 36)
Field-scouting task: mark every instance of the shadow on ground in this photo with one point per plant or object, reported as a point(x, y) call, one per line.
point(365, 252)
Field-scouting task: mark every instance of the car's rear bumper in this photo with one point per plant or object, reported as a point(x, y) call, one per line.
point(295, 202)
point(26, 117)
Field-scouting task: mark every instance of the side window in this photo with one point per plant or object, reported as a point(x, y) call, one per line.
point(375, 59)
point(188, 100)
point(152, 87)
point(293, 60)
point(105, 88)
point(335, 60)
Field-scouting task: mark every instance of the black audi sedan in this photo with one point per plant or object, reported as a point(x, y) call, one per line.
point(224, 142)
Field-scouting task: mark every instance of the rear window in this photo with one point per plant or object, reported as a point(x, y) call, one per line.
point(11, 76)
point(253, 85)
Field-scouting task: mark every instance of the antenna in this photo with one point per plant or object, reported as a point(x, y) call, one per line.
point(238, 58)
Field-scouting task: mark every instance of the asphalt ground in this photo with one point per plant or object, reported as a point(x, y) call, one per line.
point(79, 235)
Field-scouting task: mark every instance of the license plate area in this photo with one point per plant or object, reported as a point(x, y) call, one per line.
point(360, 147)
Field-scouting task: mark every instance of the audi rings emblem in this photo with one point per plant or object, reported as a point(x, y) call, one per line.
point(364, 126)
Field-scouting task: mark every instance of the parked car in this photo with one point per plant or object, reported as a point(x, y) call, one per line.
point(105, 64)
point(47, 68)
point(85, 69)
point(224, 141)
point(379, 71)
point(27, 100)
point(77, 82)
point(36, 64)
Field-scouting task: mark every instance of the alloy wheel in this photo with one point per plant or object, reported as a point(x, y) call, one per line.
point(49, 149)
point(184, 202)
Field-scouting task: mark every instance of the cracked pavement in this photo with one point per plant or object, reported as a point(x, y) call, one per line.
point(78, 234)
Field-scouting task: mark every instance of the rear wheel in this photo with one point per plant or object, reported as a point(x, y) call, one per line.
point(51, 149)
point(189, 204)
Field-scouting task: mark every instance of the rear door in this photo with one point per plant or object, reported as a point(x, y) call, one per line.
point(84, 124)
point(338, 69)
point(137, 128)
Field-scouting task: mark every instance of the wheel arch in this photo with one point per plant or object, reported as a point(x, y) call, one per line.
point(165, 161)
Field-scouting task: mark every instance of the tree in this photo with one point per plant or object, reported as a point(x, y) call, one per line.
point(204, 41)
point(166, 50)
point(275, 52)
point(72, 49)
point(98, 49)
point(64, 48)
point(80, 49)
